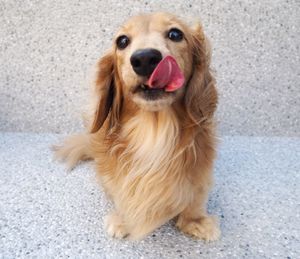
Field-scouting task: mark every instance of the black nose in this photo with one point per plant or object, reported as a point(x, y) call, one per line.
point(144, 61)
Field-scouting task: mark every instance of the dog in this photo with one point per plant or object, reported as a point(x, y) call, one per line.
point(151, 128)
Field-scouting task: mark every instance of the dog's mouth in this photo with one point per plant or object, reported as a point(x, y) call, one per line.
point(148, 93)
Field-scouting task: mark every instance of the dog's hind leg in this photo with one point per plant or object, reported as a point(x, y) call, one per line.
point(74, 149)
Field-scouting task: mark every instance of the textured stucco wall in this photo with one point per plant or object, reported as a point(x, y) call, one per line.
point(48, 47)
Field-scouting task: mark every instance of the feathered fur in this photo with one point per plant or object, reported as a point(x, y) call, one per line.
point(155, 165)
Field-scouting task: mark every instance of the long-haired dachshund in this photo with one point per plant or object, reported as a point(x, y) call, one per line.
point(151, 128)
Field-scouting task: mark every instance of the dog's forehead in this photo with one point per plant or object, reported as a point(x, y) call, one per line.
point(149, 22)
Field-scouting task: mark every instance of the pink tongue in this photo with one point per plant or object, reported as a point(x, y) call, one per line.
point(167, 74)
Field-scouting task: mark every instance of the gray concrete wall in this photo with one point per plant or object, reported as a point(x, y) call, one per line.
point(47, 48)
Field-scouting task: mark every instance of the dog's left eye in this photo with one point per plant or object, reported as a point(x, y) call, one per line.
point(122, 42)
point(175, 34)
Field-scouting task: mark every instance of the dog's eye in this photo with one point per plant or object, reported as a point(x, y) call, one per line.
point(122, 42)
point(175, 35)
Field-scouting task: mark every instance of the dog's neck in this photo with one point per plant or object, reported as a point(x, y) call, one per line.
point(149, 142)
point(153, 129)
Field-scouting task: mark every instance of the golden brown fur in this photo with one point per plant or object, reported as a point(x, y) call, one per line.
point(154, 159)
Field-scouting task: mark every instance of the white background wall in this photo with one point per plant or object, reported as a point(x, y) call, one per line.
point(47, 48)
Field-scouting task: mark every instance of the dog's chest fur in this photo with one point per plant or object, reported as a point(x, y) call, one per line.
point(144, 168)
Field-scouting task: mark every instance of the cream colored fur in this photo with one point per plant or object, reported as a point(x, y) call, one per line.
point(154, 159)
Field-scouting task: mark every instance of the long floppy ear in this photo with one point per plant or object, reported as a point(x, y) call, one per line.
point(106, 92)
point(201, 95)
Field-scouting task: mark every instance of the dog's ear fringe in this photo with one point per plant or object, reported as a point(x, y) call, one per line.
point(105, 89)
point(201, 96)
point(104, 107)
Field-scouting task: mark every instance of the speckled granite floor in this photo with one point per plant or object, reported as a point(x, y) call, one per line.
point(46, 212)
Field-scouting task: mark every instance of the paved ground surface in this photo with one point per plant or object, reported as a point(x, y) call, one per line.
point(47, 49)
point(46, 212)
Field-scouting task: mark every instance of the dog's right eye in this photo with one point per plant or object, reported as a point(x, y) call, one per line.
point(175, 34)
point(122, 42)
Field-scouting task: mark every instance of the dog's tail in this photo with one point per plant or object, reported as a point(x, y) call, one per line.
point(74, 149)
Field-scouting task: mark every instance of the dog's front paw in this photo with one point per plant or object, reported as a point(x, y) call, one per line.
point(206, 228)
point(115, 226)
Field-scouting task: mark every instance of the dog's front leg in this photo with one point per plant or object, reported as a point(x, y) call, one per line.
point(195, 221)
point(115, 225)
point(134, 229)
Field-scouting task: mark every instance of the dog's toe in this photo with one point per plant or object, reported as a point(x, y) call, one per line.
point(115, 226)
point(206, 228)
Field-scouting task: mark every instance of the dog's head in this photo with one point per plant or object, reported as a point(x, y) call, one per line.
point(140, 45)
